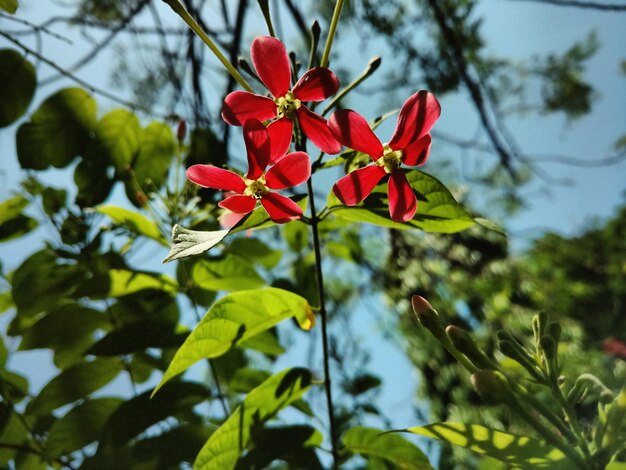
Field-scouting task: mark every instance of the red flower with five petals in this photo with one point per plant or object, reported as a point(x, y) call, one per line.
point(292, 170)
point(409, 145)
point(271, 62)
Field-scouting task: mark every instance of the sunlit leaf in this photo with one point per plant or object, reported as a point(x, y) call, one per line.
point(124, 282)
point(437, 210)
point(133, 221)
point(264, 342)
point(74, 383)
point(229, 273)
point(246, 378)
point(237, 317)
point(80, 426)
point(58, 131)
point(17, 79)
point(119, 133)
point(520, 451)
point(390, 447)
point(187, 242)
point(139, 413)
point(226, 444)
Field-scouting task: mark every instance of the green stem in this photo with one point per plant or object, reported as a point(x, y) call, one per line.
point(331, 32)
point(265, 9)
point(300, 145)
point(195, 27)
point(571, 418)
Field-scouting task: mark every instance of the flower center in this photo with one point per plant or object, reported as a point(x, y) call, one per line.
point(391, 159)
point(256, 188)
point(287, 105)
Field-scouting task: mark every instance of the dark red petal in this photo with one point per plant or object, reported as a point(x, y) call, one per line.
point(402, 200)
point(239, 106)
point(209, 176)
point(280, 208)
point(357, 185)
point(316, 128)
point(271, 62)
point(416, 119)
point(354, 132)
point(416, 153)
point(280, 135)
point(238, 204)
point(316, 85)
point(258, 147)
point(292, 170)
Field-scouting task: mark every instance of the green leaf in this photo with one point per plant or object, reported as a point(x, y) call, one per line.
point(12, 207)
point(80, 426)
point(187, 242)
point(74, 383)
point(18, 80)
point(119, 133)
point(437, 210)
point(53, 200)
point(362, 383)
point(133, 221)
point(6, 301)
point(153, 160)
point(264, 342)
point(170, 448)
point(124, 282)
point(139, 413)
point(293, 445)
point(58, 131)
point(9, 6)
point(17, 227)
point(296, 236)
point(229, 273)
point(253, 249)
point(237, 317)
point(136, 337)
point(226, 444)
point(246, 378)
point(616, 466)
point(92, 178)
point(519, 451)
point(391, 447)
point(259, 218)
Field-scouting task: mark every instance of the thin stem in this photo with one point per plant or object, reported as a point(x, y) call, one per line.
point(331, 33)
point(265, 9)
point(571, 417)
point(195, 27)
point(371, 68)
point(300, 145)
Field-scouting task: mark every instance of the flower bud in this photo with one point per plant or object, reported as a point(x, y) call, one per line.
point(427, 316)
point(464, 342)
point(491, 386)
point(549, 347)
point(181, 131)
point(554, 331)
point(539, 323)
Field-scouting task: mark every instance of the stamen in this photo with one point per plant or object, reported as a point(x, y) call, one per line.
point(391, 159)
point(256, 188)
point(287, 105)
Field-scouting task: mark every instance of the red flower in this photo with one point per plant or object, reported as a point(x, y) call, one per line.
point(409, 145)
point(271, 62)
point(291, 170)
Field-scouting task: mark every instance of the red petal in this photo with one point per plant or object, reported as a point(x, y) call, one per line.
point(209, 176)
point(230, 219)
point(238, 204)
point(239, 106)
point(316, 85)
point(416, 153)
point(316, 128)
point(292, 170)
point(271, 62)
point(357, 185)
point(280, 135)
point(354, 132)
point(402, 200)
point(258, 147)
point(281, 209)
point(416, 119)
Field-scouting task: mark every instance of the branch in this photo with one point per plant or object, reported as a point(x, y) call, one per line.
point(579, 4)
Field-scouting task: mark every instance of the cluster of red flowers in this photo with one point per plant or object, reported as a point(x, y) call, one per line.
point(269, 145)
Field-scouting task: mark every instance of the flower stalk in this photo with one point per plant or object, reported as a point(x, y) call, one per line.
point(331, 33)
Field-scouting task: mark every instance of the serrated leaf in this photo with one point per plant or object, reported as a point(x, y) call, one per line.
point(237, 317)
point(187, 242)
point(133, 221)
point(225, 445)
point(74, 383)
point(230, 273)
point(518, 451)
point(18, 79)
point(124, 282)
point(58, 131)
point(10, 6)
point(119, 133)
point(437, 210)
point(81, 426)
point(139, 413)
point(391, 447)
